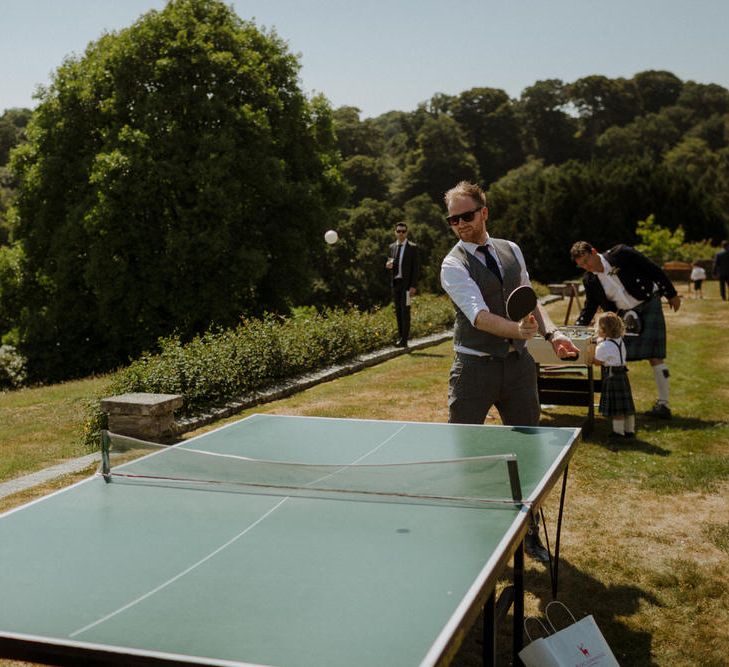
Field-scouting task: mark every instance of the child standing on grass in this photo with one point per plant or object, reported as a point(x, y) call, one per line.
point(698, 275)
point(616, 397)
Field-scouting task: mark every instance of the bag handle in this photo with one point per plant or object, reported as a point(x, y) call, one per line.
point(549, 620)
point(536, 620)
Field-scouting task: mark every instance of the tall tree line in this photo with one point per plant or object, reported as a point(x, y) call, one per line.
point(174, 177)
point(565, 161)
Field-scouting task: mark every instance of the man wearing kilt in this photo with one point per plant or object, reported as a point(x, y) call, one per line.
point(625, 281)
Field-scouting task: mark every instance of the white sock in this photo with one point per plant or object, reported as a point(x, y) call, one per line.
point(660, 375)
point(630, 424)
point(619, 425)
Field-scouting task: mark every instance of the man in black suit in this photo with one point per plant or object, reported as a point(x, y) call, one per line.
point(625, 281)
point(404, 262)
point(720, 270)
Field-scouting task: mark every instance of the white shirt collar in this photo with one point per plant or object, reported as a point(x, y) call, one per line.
point(473, 247)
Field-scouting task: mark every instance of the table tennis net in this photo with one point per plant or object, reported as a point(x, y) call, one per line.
point(471, 481)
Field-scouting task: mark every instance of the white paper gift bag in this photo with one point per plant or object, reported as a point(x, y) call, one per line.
point(580, 644)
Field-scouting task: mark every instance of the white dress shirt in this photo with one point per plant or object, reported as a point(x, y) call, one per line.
point(398, 268)
point(614, 289)
point(609, 350)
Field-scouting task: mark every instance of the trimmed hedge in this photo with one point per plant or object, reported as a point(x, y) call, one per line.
point(221, 365)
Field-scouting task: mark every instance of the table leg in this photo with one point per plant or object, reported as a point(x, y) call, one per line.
point(489, 631)
point(518, 644)
point(574, 296)
point(591, 404)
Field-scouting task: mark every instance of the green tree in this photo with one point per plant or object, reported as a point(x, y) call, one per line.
point(696, 250)
point(708, 172)
point(175, 177)
point(548, 130)
point(546, 209)
point(691, 157)
point(353, 272)
point(602, 102)
point(356, 137)
point(656, 89)
point(11, 262)
point(703, 100)
point(714, 130)
point(442, 158)
point(367, 176)
point(427, 227)
point(656, 242)
point(12, 131)
point(487, 117)
point(652, 134)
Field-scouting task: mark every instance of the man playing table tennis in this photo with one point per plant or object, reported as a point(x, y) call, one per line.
point(623, 280)
point(492, 365)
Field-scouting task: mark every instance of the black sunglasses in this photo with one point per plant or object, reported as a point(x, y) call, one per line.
point(466, 217)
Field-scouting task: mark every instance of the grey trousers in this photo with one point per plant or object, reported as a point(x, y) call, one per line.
point(477, 383)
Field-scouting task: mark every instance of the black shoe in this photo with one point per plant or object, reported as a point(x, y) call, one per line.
point(615, 439)
point(401, 343)
point(629, 436)
point(660, 410)
point(535, 549)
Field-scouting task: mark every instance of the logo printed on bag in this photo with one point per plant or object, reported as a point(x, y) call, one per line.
point(583, 650)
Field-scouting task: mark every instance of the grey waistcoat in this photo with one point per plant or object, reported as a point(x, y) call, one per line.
point(494, 294)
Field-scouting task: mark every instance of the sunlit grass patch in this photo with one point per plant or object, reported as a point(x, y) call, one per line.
point(718, 535)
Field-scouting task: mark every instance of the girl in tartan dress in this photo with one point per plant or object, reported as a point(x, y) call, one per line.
point(616, 397)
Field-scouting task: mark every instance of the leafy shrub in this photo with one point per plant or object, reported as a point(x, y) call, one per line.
point(225, 364)
point(658, 243)
point(12, 368)
point(696, 251)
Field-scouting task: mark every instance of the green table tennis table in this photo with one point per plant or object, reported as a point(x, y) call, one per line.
point(367, 543)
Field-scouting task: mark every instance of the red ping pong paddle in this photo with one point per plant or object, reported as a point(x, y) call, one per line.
point(521, 302)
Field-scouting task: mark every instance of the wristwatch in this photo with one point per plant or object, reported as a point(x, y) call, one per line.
point(548, 336)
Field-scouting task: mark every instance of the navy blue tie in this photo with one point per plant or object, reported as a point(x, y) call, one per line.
point(491, 262)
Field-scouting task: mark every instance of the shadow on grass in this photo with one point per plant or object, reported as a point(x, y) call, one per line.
point(643, 423)
point(631, 445)
point(431, 355)
point(678, 422)
point(583, 595)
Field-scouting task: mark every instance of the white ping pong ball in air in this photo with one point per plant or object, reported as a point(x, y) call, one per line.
point(331, 237)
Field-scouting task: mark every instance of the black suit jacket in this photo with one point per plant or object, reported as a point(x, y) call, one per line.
point(637, 274)
point(410, 264)
point(721, 264)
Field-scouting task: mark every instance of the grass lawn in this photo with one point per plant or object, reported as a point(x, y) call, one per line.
point(645, 545)
point(41, 426)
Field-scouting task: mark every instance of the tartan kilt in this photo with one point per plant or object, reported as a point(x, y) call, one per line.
point(651, 342)
point(616, 397)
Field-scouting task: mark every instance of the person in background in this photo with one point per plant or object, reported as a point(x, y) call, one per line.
point(625, 281)
point(492, 365)
point(616, 398)
point(698, 275)
point(720, 269)
point(404, 263)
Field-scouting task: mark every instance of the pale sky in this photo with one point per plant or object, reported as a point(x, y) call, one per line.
point(382, 55)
